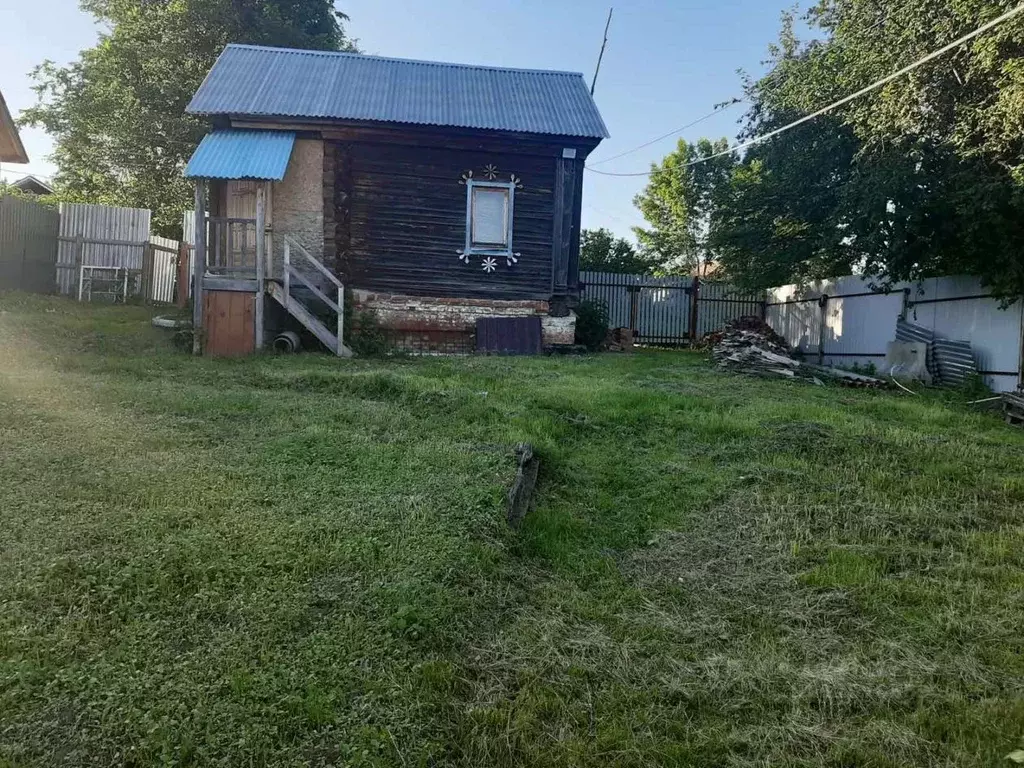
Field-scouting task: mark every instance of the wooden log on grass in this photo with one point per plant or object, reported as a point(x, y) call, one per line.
point(520, 495)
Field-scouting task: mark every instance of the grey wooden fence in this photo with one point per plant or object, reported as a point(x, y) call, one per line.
point(669, 311)
point(28, 245)
point(85, 251)
point(99, 236)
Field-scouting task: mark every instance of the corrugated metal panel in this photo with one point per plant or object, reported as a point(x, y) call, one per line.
point(909, 332)
point(28, 245)
point(242, 155)
point(508, 335)
point(954, 360)
point(251, 80)
point(165, 269)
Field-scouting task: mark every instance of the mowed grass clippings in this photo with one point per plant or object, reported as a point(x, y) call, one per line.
point(304, 561)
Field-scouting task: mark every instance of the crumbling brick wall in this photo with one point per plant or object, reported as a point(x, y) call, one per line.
point(443, 324)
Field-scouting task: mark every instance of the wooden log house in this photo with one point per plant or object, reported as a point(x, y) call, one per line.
point(437, 194)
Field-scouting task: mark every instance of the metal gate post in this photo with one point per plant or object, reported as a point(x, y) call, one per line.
point(148, 273)
point(694, 312)
point(182, 275)
point(823, 303)
point(633, 292)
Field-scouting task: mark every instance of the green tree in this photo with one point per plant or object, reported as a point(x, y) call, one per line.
point(117, 114)
point(921, 177)
point(601, 251)
point(681, 203)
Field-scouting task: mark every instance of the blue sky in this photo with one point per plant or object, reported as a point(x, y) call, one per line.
point(667, 63)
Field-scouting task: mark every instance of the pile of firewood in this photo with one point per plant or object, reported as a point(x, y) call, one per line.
point(749, 345)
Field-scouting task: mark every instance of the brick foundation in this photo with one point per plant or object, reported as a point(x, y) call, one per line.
point(448, 325)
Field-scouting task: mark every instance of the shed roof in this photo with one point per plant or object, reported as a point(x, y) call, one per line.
point(242, 155)
point(251, 80)
point(11, 148)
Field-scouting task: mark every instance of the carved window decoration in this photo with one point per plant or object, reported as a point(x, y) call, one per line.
point(490, 209)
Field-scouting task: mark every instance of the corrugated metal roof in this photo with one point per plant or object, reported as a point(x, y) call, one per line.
point(281, 82)
point(242, 155)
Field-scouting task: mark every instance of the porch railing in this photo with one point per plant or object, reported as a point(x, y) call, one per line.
point(231, 246)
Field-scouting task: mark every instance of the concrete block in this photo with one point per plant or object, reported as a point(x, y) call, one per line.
point(906, 360)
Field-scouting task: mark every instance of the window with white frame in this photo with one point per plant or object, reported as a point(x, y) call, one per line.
point(489, 217)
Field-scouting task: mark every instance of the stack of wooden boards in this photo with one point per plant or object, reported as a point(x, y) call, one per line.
point(1013, 408)
point(748, 345)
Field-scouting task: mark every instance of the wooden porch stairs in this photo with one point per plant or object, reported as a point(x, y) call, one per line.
point(282, 294)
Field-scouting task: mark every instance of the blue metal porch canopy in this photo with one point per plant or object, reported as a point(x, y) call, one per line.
point(236, 154)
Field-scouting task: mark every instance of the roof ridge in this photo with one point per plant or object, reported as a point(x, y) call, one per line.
point(422, 62)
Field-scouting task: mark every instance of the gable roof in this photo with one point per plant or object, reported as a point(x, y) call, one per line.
point(11, 148)
point(33, 185)
point(251, 80)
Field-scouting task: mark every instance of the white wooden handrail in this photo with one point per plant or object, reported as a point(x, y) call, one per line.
point(289, 270)
point(311, 259)
point(309, 284)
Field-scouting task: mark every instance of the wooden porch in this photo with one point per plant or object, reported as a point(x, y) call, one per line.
point(234, 257)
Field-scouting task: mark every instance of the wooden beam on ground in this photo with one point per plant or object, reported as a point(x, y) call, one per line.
point(520, 495)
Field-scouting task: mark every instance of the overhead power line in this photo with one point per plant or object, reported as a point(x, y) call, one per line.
point(874, 86)
point(719, 108)
point(610, 215)
point(38, 174)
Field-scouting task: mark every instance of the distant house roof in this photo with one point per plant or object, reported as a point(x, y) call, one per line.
point(33, 186)
point(254, 81)
point(242, 155)
point(11, 148)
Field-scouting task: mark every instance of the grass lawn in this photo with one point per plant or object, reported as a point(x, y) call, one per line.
point(304, 561)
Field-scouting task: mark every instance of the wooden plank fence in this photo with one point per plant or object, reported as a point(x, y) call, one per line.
point(107, 252)
point(99, 236)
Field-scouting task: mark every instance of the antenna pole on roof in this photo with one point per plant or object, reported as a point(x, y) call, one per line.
point(593, 83)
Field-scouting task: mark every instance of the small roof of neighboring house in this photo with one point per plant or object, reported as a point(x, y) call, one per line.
point(249, 80)
point(11, 148)
point(33, 185)
point(237, 154)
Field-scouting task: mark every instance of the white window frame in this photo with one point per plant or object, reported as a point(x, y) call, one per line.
point(473, 249)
